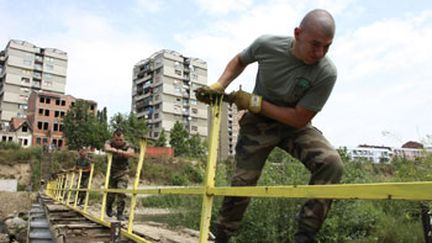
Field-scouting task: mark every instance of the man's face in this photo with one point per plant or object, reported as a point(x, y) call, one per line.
point(118, 140)
point(312, 45)
point(82, 153)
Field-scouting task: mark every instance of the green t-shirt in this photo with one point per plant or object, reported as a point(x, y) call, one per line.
point(284, 80)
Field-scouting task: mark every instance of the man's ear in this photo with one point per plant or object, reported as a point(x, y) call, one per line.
point(297, 32)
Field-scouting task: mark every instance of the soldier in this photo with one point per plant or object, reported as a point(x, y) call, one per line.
point(83, 162)
point(293, 82)
point(119, 177)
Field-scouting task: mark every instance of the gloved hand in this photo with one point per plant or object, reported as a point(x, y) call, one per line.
point(217, 87)
point(208, 94)
point(245, 100)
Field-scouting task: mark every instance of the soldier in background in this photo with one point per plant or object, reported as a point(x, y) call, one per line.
point(83, 162)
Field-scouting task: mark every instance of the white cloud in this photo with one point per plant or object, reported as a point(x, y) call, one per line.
point(222, 7)
point(150, 5)
point(383, 84)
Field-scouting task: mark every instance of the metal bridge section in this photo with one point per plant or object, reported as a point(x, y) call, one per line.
point(63, 189)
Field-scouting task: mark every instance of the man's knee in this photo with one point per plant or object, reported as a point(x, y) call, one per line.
point(243, 177)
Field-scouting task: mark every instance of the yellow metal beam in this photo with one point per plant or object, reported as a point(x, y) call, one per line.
point(417, 191)
point(70, 187)
point(209, 178)
point(78, 187)
point(89, 187)
point(107, 176)
point(143, 144)
point(197, 190)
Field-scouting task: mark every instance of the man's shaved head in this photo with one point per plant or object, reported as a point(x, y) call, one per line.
point(319, 20)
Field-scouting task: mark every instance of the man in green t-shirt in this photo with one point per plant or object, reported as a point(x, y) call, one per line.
point(293, 82)
point(119, 176)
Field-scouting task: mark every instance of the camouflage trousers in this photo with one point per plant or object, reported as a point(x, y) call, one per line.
point(83, 185)
point(258, 136)
point(118, 182)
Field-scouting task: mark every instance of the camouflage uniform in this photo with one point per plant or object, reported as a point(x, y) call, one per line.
point(84, 164)
point(119, 178)
point(258, 136)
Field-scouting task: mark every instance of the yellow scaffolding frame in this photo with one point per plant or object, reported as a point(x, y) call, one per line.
point(57, 189)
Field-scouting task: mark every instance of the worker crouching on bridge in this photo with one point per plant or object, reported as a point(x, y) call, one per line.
point(293, 83)
point(83, 162)
point(119, 176)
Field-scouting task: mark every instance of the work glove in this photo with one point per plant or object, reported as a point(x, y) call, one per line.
point(217, 87)
point(208, 94)
point(245, 100)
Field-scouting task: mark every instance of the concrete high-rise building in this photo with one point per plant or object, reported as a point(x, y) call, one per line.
point(163, 92)
point(25, 67)
point(229, 130)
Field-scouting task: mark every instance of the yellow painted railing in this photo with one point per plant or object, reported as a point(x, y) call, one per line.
point(62, 187)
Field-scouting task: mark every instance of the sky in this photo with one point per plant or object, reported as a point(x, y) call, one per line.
point(382, 50)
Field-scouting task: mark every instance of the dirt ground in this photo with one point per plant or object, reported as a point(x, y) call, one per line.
point(11, 202)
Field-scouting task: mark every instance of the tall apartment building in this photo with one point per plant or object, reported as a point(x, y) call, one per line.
point(229, 130)
point(25, 67)
point(46, 111)
point(163, 92)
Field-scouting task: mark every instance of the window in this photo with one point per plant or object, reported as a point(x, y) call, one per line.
point(156, 116)
point(56, 127)
point(41, 111)
point(45, 126)
point(194, 110)
point(63, 103)
point(4, 138)
point(38, 140)
point(44, 140)
point(57, 102)
point(39, 125)
point(25, 142)
point(56, 113)
point(24, 129)
point(47, 112)
point(42, 99)
point(25, 80)
point(48, 83)
point(48, 100)
point(62, 114)
point(47, 76)
point(61, 127)
point(60, 143)
point(49, 67)
point(28, 62)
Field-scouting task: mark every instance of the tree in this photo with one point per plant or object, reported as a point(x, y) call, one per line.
point(133, 128)
point(196, 148)
point(178, 139)
point(82, 128)
point(162, 140)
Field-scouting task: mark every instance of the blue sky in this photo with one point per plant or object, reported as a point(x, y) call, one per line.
point(382, 50)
